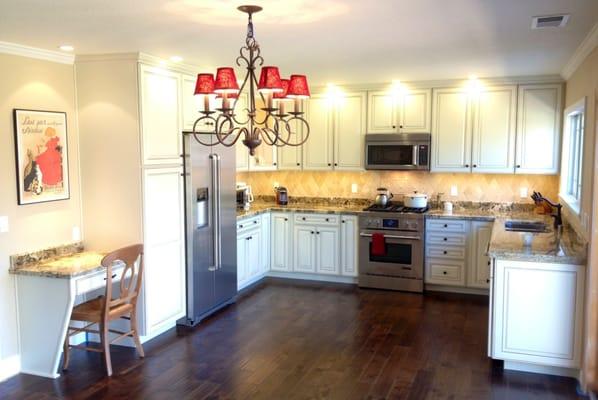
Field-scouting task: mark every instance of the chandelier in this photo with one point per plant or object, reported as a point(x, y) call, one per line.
point(273, 125)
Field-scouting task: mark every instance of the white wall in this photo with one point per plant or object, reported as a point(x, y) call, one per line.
point(42, 85)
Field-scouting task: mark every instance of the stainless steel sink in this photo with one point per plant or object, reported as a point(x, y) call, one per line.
point(526, 226)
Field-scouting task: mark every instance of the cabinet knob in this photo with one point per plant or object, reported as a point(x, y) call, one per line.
point(444, 272)
point(466, 165)
point(286, 219)
point(394, 127)
point(445, 239)
point(489, 263)
point(518, 166)
point(298, 164)
point(343, 221)
point(303, 218)
point(327, 219)
point(240, 226)
point(487, 280)
point(445, 252)
point(274, 164)
point(446, 225)
point(317, 233)
point(255, 222)
point(312, 232)
point(475, 165)
point(401, 126)
point(329, 164)
point(335, 164)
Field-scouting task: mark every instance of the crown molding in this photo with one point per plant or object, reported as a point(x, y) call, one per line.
point(139, 57)
point(588, 44)
point(34, 52)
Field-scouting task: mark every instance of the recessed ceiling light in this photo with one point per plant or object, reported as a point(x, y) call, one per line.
point(176, 59)
point(66, 47)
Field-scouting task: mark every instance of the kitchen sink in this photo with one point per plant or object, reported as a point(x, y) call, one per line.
point(525, 226)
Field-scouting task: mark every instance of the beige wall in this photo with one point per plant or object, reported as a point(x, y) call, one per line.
point(471, 187)
point(42, 85)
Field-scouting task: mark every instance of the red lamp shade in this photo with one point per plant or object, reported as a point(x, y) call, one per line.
point(285, 89)
point(298, 87)
point(270, 80)
point(204, 84)
point(226, 81)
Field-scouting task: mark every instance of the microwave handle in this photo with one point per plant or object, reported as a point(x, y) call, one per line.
point(416, 155)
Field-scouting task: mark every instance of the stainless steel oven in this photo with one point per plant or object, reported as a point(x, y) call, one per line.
point(398, 151)
point(401, 266)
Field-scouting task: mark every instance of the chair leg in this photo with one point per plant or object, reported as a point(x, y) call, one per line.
point(136, 334)
point(105, 339)
point(66, 355)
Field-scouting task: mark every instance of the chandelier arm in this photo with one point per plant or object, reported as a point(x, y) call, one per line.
point(265, 134)
point(306, 130)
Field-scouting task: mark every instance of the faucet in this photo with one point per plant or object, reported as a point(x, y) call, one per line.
point(558, 220)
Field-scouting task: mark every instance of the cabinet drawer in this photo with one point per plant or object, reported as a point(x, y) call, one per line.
point(447, 225)
point(455, 252)
point(318, 219)
point(446, 238)
point(90, 283)
point(445, 272)
point(249, 223)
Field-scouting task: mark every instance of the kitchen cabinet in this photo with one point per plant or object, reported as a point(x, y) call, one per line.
point(327, 249)
point(479, 267)
point(536, 314)
point(249, 261)
point(291, 157)
point(474, 132)
point(265, 254)
point(348, 246)
point(538, 129)
point(337, 129)
point(316, 243)
point(304, 249)
point(280, 242)
point(409, 112)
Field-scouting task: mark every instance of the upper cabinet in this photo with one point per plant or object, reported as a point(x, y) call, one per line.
point(291, 157)
point(407, 112)
point(337, 129)
point(538, 129)
point(160, 119)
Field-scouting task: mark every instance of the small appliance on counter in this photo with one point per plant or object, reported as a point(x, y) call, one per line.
point(415, 200)
point(282, 196)
point(244, 196)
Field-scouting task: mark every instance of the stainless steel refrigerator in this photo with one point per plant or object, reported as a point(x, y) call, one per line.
point(210, 214)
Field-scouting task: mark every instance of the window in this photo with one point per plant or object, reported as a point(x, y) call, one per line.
point(572, 156)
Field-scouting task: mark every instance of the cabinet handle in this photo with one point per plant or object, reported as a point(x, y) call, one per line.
point(475, 165)
point(113, 276)
point(327, 219)
point(317, 233)
point(487, 280)
point(445, 252)
point(303, 218)
point(298, 164)
point(343, 221)
point(446, 225)
point(286, 219)
point(329, 164)
point(274, 164)
point(444, 272)
point(394, 127)
point(445, 239)
point(312, 232)
point(488, 262)
point(466, 165)
point(240, 226)
point(518, 166)
point(255, 222)
point(249, 238)
point(335, 164)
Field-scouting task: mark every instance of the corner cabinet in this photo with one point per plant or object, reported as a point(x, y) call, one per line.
point(400, 113)
point(538, 129)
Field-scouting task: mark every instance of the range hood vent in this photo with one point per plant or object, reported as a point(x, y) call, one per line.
point(550, 21)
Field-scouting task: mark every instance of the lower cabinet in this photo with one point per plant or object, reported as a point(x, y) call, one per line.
point(536, 314)
point(479, 267)
point(280, 242)
point(250, 251)
point(316, 244)
point(349, 245)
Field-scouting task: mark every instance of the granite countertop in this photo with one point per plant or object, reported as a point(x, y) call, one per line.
point(262, 207)
point(549, 247)
point(66, 266)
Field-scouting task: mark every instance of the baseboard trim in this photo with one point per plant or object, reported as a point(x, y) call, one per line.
point(38, 373)
point(541, 369)
point(455, 289)
point(312, 277)
point(10, 367)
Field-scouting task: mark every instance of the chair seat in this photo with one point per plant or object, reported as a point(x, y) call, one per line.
point(91, 310)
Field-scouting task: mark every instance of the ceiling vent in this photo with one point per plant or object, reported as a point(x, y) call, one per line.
point(550, 21)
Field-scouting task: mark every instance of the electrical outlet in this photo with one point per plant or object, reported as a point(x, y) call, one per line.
point(454, 191)
point(523, 192)
point(354, 188)
point(76, 234)
point(276, 185)
point(3, 224)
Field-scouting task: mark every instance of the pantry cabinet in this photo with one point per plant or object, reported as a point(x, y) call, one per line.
point(407, 112)
point(538, 129)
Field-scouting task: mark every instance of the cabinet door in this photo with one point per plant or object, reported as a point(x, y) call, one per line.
point(349, 132)
point(242, 273)
point(160, 116)
point(538, 129)
point(538, 313)
point(304, 248)
point(479, 266)
point(254, 247)
point(290, 157)
point(349, 245)
point(493, 147)
point(415, 109)
point(280, 251)
point(317, 150)
point(328, 249)
point(451, 131)
point(382, 116)
point(265, 158)
point(164, 277)
point(265, 253)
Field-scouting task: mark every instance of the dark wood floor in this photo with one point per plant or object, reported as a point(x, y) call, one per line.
point(299, 340)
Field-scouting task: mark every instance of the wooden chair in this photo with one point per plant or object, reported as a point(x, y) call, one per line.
point(104, 309)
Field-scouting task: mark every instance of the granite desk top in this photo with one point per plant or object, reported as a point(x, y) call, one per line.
point(549, 247)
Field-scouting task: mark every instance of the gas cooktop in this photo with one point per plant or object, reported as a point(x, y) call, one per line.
point(396, 208)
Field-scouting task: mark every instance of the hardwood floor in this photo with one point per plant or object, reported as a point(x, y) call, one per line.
point(303, 340)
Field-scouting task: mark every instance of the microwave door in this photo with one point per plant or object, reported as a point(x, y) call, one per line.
point(391, 156)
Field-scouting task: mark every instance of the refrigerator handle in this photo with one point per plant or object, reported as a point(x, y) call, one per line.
point(215, 170)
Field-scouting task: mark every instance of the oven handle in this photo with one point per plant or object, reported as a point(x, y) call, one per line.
point(392, 236)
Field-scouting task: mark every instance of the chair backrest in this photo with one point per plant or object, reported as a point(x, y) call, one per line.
point(130, 279)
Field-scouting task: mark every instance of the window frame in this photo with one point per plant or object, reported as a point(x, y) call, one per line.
point(571, 185)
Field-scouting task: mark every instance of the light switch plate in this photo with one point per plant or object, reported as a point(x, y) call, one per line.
point(354, 188)
point(454, 191)
point(3, 224)
point(76, 234)
point(523, 192)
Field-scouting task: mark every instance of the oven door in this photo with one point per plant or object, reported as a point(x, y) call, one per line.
point(403, 256)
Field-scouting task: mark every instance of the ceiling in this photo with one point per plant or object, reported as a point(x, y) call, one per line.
point(341, 41)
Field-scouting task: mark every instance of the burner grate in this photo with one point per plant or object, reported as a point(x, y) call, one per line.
point(394, 207)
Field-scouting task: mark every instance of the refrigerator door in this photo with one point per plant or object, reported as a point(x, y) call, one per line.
point(210, 218)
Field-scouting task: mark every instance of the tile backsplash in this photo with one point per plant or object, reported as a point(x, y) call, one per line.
point(469, 187)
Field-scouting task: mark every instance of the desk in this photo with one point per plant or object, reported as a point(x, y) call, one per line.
point(46, 293)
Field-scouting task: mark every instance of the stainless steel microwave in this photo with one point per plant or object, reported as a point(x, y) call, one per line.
point(398, 151)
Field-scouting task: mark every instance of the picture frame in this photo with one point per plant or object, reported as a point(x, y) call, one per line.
point(41, 156)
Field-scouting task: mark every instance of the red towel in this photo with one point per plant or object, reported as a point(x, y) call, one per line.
point(378, 245)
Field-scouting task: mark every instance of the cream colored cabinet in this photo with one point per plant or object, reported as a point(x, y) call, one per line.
point(349, 232)
point(164, 277)
point(265, 255)
point(280, 242)
point(538, 129)
point(479, 267)
point(304, 248)
point(160, 96)
point(536, 315)
point(493, 142)
point(327, 249)
point(337, 129)
point(409, 112)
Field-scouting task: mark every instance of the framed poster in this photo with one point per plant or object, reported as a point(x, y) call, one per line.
point(41, 149)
